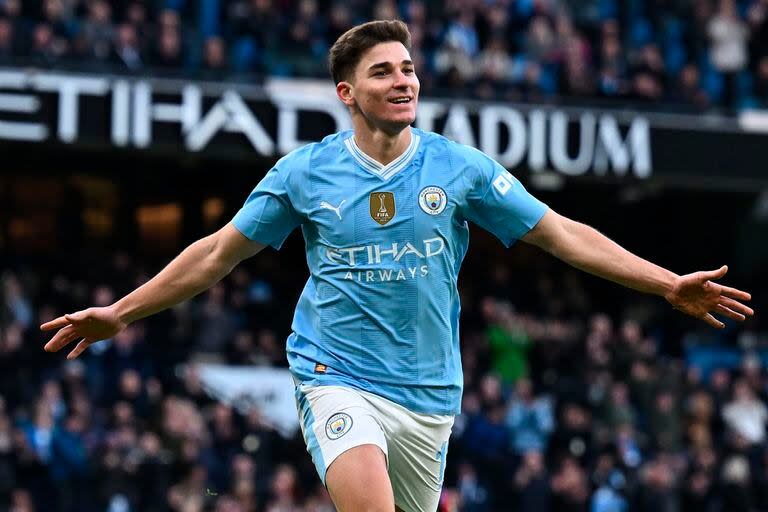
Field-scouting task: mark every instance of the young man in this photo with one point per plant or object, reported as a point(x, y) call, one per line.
point(384, 210)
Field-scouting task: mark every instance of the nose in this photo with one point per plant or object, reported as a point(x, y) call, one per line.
point(401, 80)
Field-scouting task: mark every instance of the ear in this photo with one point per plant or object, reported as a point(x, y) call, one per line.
point(345, 92)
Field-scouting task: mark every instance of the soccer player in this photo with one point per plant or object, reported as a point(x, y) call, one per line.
point(384, 210)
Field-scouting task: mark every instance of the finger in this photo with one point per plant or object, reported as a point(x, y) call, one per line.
point(55, 324)
point(714, 322)
point(716, 274)
point(77, 317)
point(736, 306)
point(733, 315)
point(80, 348)
point(734, 293)
point(60, 339)
point(57, 345)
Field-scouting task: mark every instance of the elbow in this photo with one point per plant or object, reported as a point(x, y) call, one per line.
point(564, 238)
point(217, 264)
point(552, 233)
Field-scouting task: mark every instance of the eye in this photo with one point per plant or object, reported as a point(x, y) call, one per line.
point(380, 73)
point(408, 71)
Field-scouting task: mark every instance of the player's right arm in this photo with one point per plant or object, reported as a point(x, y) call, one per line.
point(195, 269)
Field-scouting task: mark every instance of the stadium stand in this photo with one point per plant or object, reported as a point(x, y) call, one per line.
point(693, 55)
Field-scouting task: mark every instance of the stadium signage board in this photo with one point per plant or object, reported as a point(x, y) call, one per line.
point(241, 121)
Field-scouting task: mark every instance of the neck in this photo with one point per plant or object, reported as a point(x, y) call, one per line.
point(382, 146)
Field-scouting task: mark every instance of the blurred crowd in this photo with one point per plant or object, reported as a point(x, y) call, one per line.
point(687, 54)
point(565, 408)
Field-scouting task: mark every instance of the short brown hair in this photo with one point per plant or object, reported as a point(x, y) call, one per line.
point(348, 49)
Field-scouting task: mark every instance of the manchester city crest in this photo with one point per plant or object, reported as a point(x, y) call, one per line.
point(433, 200)
point(338, 425)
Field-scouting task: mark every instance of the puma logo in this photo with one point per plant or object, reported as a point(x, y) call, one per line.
point(329, 206)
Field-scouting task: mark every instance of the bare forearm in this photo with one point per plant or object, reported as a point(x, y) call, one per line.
point(194, 270)
point(587, 249)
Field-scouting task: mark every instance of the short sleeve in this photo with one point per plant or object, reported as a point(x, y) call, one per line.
point(268, 216)
point(499, 203)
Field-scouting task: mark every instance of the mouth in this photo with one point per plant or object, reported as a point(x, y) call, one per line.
point(401, 100)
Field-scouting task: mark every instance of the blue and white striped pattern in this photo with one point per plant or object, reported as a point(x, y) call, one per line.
point(307, 419)
point(385, 172)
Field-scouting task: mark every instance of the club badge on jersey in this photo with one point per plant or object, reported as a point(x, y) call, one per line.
point(433, 200)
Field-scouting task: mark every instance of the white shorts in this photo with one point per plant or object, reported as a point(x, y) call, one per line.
point(335, 418)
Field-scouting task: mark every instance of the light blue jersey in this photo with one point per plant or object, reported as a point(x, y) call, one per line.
point(384, 243)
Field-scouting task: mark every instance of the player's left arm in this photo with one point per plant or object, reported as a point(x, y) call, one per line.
point(587, 249)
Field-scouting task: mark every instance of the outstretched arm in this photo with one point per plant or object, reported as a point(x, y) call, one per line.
point(586, 249)
point(197, 268)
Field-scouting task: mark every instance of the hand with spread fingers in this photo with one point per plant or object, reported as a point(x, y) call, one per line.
point(88, 326)
point(697, 295)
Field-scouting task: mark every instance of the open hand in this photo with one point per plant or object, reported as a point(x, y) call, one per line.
point(697, 295)
point(89, 326)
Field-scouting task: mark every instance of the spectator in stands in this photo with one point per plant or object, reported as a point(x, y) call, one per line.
point(302, 43)
point(729, 35)
point(135, 14)
point(698, 492)
point(61, 22)
point(612, 79)
point(665, 422)
point(761, 81)
point(473, 495)
point(44, 51)
point(385, 10)
point(127, 53)
point(215, 64)
point(508, 339)
point(7, 41)
point(658, 487)
point(454, 67)
point(494, 65)
point(736, 476)
point(97, 33)
point(529, 419)
point(168, 51)
point(461, 33)
point(570, 486)
point(531, 484)
point(189, 493)
point(689, 90)
point(720, 386)
point(340, 19)
point(745, 415)
point(577, 78)
point(284, 491)
point(618, 409)
point(17, 306)
point(573, 435)
point(757, 19)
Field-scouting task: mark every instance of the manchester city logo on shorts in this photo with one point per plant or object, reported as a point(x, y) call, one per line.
point(433, 200)
point(338, 425)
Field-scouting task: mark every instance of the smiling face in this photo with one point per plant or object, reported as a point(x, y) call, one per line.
point(384, 88)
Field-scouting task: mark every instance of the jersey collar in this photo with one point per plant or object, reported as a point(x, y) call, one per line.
point(385, 172)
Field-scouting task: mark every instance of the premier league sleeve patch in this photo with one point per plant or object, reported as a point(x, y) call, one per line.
point(338, 425)
point(433, 200)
